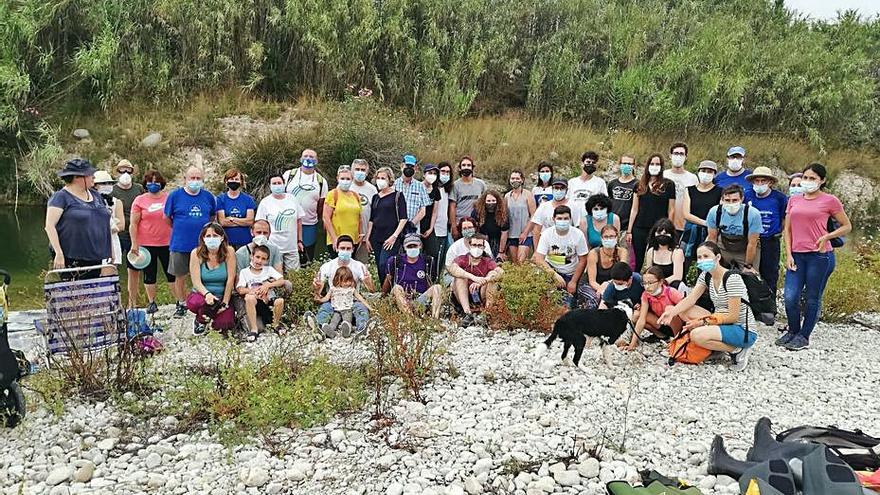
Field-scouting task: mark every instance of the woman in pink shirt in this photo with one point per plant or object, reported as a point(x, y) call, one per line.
point(151, 229)
point(808, 253)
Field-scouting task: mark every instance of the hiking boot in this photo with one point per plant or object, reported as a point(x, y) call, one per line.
point(312, 323)
point(797, 343)
point(180, 310)
point(740, 359)
point(345, 327)
point(467, 321)
point(152, 308)
point(199, 328)
point(327, 331)
point(784, 339)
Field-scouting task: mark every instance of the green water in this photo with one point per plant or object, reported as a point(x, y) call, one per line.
point(24, 253)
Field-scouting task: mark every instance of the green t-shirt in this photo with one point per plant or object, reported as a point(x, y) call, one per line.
point(127, 197)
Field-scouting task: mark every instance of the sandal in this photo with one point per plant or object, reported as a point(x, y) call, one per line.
point(252, 336)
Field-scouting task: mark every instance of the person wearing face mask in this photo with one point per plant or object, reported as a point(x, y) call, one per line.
point(520, 208)
point(731, 328)
point(387, 220)
point(150, 230)
point(735, 227)
point(408, 280)
point(602, 258)
point(682, 180)
point(654, 199)
point(323, 281)
point(442, 232)
point(736, 173)
point(665, 255)
point(285, 216)
point(809, 256)
point(188, 209)
point(771, 204)
point(543, 190)
point(468, 227)
point(586, 184)
point(236, 209)
point(125, 191)
point(365, 190)
point(310, 189)
point(342, 210)
point(475, 278)
point(427, 226)
point(212, 269)
point(599, 215)
point(622, 190)
point(543, 217)
point(698, 200)
point(260, 232)
point(413, 190)
point(794, 184)
point(490, 212)
point(465, 192)
point(626, 286)
point(562, 251)
point(104, 185)
point(76, 221)
point(256, 288)
point(657, 297)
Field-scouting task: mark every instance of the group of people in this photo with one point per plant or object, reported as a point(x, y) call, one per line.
point(633, 238)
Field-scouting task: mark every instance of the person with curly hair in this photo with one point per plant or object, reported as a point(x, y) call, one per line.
point(490, 212)
point(599, 215)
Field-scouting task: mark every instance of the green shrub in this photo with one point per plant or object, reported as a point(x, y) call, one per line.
point(268, 153)
point(850, 288)
point(300, 299)
point(528, 298)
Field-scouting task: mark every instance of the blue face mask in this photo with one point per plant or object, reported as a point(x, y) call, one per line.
point(276, 188)
point(544, 176)
point(194, 185)
point(626, 169)
point(559, 195)
point(360, 175)
point(706, 265)
point(413, 252)
point(213, 243)
point(562, 224)
point(345, 184)
point(344, 255)
point(308, 162)
point(609, 243)
point(154, 187)
point(796, 191)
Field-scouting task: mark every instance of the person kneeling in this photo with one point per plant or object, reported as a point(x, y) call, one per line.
point(409, 278)
point(341, 296)
point(474, 275)
point(655, 299)
point(729, 328)
point(257, 284)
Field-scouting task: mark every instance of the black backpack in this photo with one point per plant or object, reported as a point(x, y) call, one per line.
point(761, 299)
point(856, 448)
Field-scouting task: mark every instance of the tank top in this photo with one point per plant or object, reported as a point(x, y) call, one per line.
point(594, 237)
point(668, 269)
point(603, 274)
point(702, 202)
point(214, 279)
point(517, 214)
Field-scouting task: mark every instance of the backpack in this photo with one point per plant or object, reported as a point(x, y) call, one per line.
point(761, 299)
point(856, 448)
point(682, 350)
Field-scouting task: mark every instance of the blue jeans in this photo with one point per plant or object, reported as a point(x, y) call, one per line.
point(360, 312)
point(810, 279)
point(769, 263)
point(382, 256)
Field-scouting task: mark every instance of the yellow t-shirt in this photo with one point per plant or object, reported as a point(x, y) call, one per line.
point(346, 213)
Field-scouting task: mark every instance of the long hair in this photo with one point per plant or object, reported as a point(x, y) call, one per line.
point(666, 225)
point(448, 186)
point(615, 257)
point(202, 251)
point(545, 164)
point(647, 179)
point(500, 208)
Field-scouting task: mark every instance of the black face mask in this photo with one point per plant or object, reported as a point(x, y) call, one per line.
point(590, 169)
point(409, 171)
point(233, 186)
point(491, 208)
point(664, 239)
point(466, 172)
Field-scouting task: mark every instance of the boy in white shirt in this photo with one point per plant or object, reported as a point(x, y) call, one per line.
point(256, 284)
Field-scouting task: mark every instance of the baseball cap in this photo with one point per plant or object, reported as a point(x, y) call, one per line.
point(736, 150)
point(412, 238)
point(429, 166)
point(708, 164)
point(559, 181)
point(409, 159)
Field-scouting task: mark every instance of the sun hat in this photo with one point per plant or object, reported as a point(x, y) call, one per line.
point(103, 177)
point(124, 163)
point(140, 260)
point(77, 167)
point(762, 172)
point(708, 164)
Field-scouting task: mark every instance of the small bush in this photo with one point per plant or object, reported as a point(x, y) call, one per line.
point(528, 298)
point(272, 152)
point(850, 288)
point(300, 299)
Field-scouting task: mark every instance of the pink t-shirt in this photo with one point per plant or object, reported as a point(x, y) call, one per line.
point(658, 304)
point(809, 220)
point(153, 229)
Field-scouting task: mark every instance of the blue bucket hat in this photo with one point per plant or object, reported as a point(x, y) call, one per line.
point(77, 167)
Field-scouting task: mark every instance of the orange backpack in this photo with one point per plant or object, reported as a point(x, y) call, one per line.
point(682, 350)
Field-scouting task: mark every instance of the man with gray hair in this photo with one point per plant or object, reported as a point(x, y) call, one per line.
point(366, 190)
point(309, 188)
point(188, 208)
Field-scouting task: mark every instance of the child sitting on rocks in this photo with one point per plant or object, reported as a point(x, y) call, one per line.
point(341, 295)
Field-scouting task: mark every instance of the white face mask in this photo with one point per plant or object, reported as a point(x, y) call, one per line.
point(381, 183)
point(657, 291)
point(761, 189)
point(706, 177)
point(654, 169)
point(260, 240)
point(620, 286)
point(735, 164)
point(732, 208)
point(809, 186)
point(430, 178)
point(476, 252)
point(103, 189)
point(677, 160)
point(125, 179)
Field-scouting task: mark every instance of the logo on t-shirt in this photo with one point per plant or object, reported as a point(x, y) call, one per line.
point(420, 274)
point(195, 211)
point(582, 195)
point(155, 207)
point(285, 220)
point(235, 212)
point(561, 255)
point(363, 199)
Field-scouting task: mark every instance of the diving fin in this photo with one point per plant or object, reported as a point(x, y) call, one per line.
point(775, 474)
point(720, 462)
point(765, 446)
point(825, 473)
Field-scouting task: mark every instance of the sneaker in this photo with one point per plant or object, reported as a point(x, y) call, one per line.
point(467, 321)
point(327, 331)
point(346, 329)
point(797, 343)
point(180, 310)
point(740, 359)
point(152, 308)
point(312, 323)
point(199, 328)
point(784, 339)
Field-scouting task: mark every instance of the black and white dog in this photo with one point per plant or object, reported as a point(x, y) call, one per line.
point(574, 327)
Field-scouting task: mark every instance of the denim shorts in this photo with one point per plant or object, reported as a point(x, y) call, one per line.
point(733, 335)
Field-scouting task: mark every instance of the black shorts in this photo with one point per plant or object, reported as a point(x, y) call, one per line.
point(157, 253)
point(264, 311)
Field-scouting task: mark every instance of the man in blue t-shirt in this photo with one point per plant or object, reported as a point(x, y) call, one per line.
point(736, 228)
point(771, 204)
point(409, 278)
point(735, 173)
point(188, 208)
point(625, 285)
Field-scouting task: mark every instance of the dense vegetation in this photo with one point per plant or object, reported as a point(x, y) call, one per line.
point(722, 65)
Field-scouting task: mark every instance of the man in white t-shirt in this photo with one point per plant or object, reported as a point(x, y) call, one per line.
point(285, 217)
point(461, 246)
point(543, 216)
point(580, 188)
point(682, 179)
point(324, 279)
point(562, 250)
point(257, 284)
point(366, 190)
point(309, 188)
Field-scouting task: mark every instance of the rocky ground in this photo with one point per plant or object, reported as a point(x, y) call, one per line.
point(496, 420)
